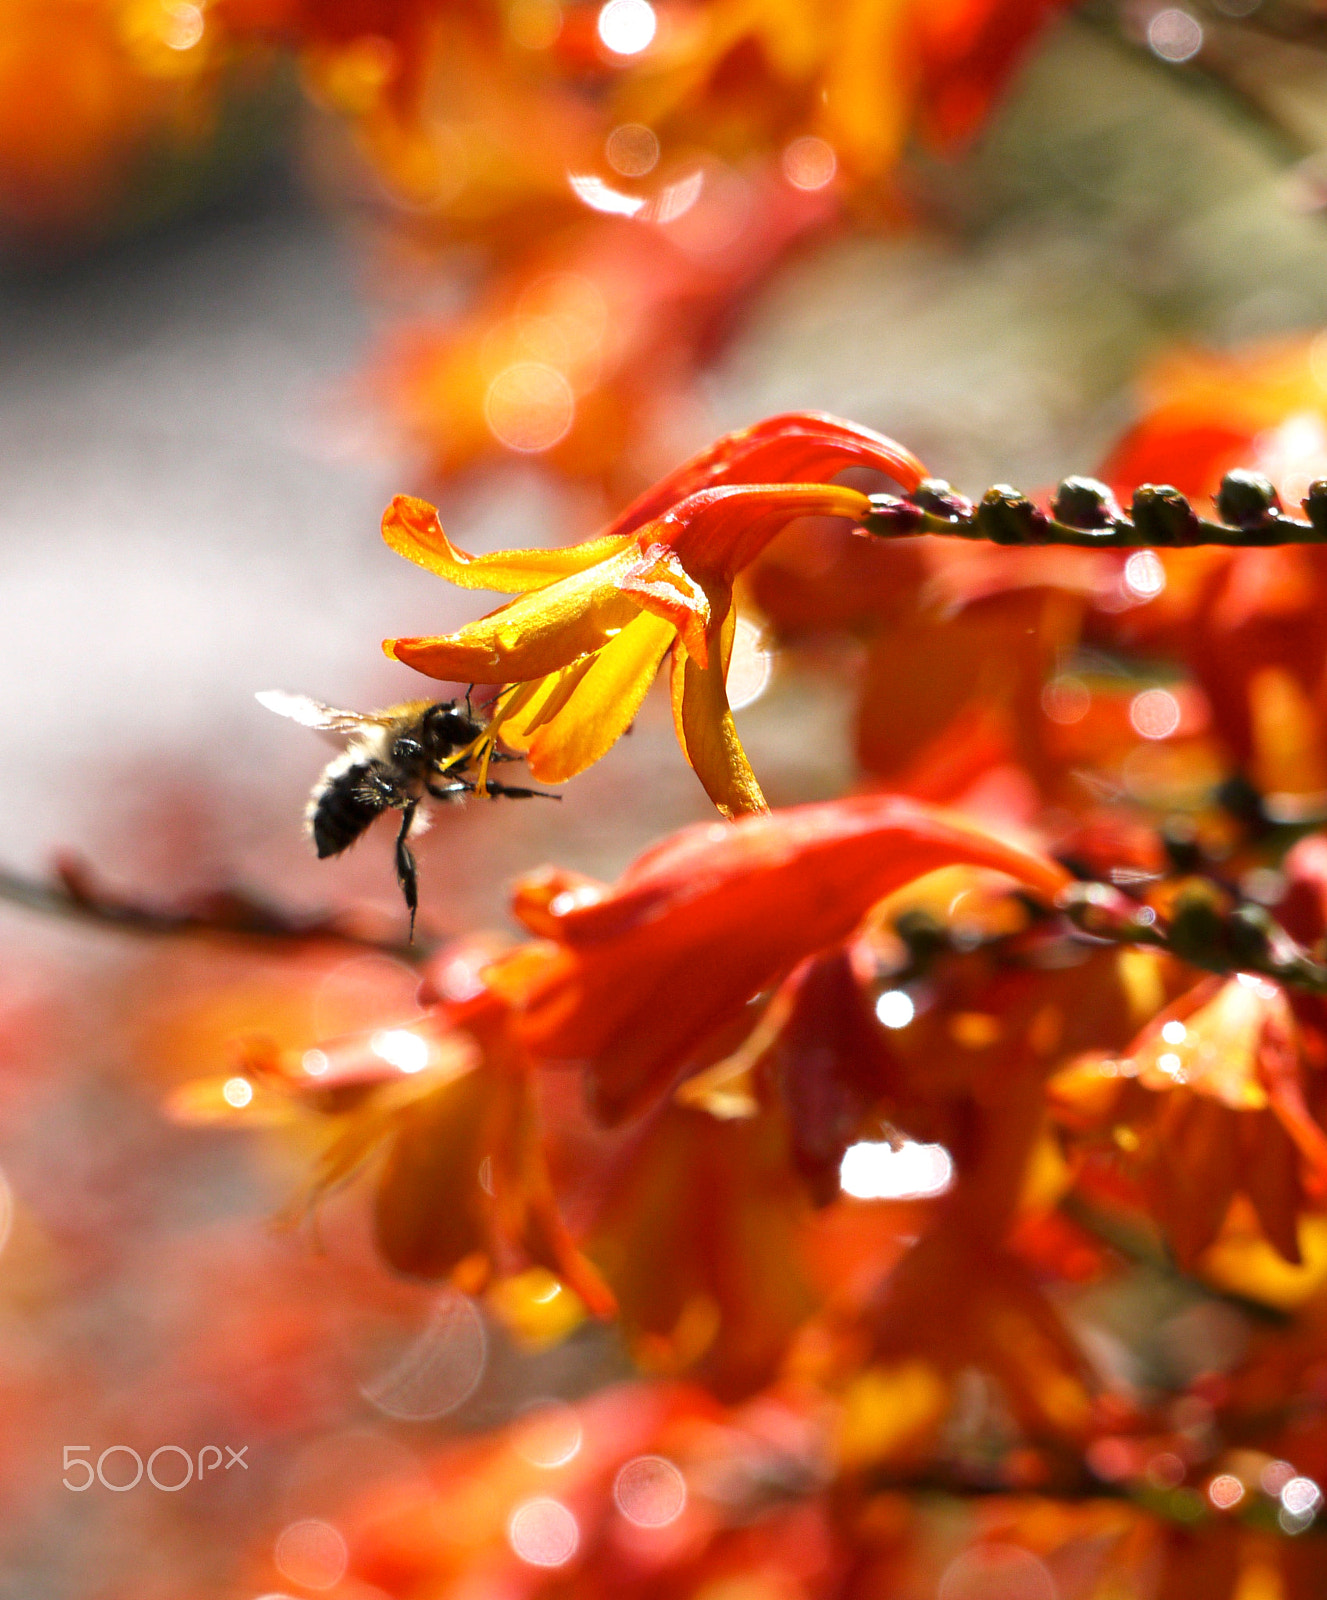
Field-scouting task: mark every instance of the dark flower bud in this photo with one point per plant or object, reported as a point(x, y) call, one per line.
point(890, 515)
point(1198, 925)
point(1258, 941)
point(1100, 910)
point(1005, 516)
point(937, 497)
point(1247, 499)
point(924, 936)
point(1162, 516)
point(1085, 503)
point(1315, 505)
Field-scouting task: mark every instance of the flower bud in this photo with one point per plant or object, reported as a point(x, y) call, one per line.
point(1005, 516)
point(1085, 503)
point(1247, 500)
point(891, 516)
point(1162, 516)
point(935, 496)
point(1315, 505)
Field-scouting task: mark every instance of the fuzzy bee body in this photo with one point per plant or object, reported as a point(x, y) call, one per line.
point(393, 760)
point(345, 801)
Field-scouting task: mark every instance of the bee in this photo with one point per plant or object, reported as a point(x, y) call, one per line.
point(393, 759)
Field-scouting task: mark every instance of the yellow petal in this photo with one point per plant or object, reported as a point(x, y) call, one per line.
point(602, 704)
point(412, 529)
point(710, 739)
point(537, 634)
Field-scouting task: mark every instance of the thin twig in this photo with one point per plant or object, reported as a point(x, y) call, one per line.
point(227, 913)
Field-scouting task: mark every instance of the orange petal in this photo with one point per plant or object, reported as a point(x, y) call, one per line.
point(709, 736)
point(413, 530)
point(717, 532)
point(530, 637)
point(717, 913)
point(798, 445)
point(602, 704)
point(677, 674)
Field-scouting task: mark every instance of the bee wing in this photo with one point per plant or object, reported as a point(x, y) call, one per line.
point(310, 713)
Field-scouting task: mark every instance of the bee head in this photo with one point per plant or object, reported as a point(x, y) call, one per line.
point(446, 728)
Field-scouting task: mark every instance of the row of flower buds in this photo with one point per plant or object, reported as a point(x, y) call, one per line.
point(1204, 926)
point(1085, 512)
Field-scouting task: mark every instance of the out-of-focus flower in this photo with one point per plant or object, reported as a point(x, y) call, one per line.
point(1263, 406)
point(1207, 1102)
point(462, 1190)
point(642, 1489)
point(763, 121)
point(710, 918)
point(858, 78)
point(700, 1232)
point(1246, 623)
point(581, 350)
point(87, 87)
point(582, 644)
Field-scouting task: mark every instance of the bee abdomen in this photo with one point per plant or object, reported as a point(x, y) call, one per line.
point(341, 810)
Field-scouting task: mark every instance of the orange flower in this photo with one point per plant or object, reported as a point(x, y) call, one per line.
point(646, 970)
point(581, 645)
point(446, 1100)
point(1208, 1102)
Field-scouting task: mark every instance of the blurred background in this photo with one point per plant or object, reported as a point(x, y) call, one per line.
point(265, 265)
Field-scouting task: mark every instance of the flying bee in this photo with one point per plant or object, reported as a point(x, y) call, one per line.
point(392, 761)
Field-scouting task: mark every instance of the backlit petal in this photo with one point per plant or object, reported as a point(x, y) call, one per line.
point(717, 532)
point(797, 446)
point(710, 740)
point(604, 699)
point(411, 527)
point(530, 637)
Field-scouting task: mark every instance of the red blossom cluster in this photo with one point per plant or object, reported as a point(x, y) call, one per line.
point(842, 1114)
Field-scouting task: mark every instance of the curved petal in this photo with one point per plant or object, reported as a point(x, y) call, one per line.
point(602, 705)
point(532, 636)
point(796, 445)
point(411, 527)
point(702, 922)
point(677, 673)
point(717, 532)
point(708, 734)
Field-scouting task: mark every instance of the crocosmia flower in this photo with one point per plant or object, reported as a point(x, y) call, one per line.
point(591, 624)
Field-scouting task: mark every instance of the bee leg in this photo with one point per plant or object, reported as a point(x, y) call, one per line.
point(449, 791)
point(406, 874)
point(494, 787)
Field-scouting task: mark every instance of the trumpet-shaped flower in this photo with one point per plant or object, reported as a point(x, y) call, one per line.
point(643, 972)
point(580, 645)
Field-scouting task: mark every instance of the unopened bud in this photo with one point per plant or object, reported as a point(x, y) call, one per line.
point(890, 516)
point(937, 497)
point(1103, 912)
point(1085, 503)
point(1162, 516)
point(1247, 500)
point(1199, 925)
point(1005, 516)
point(1315, 505)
